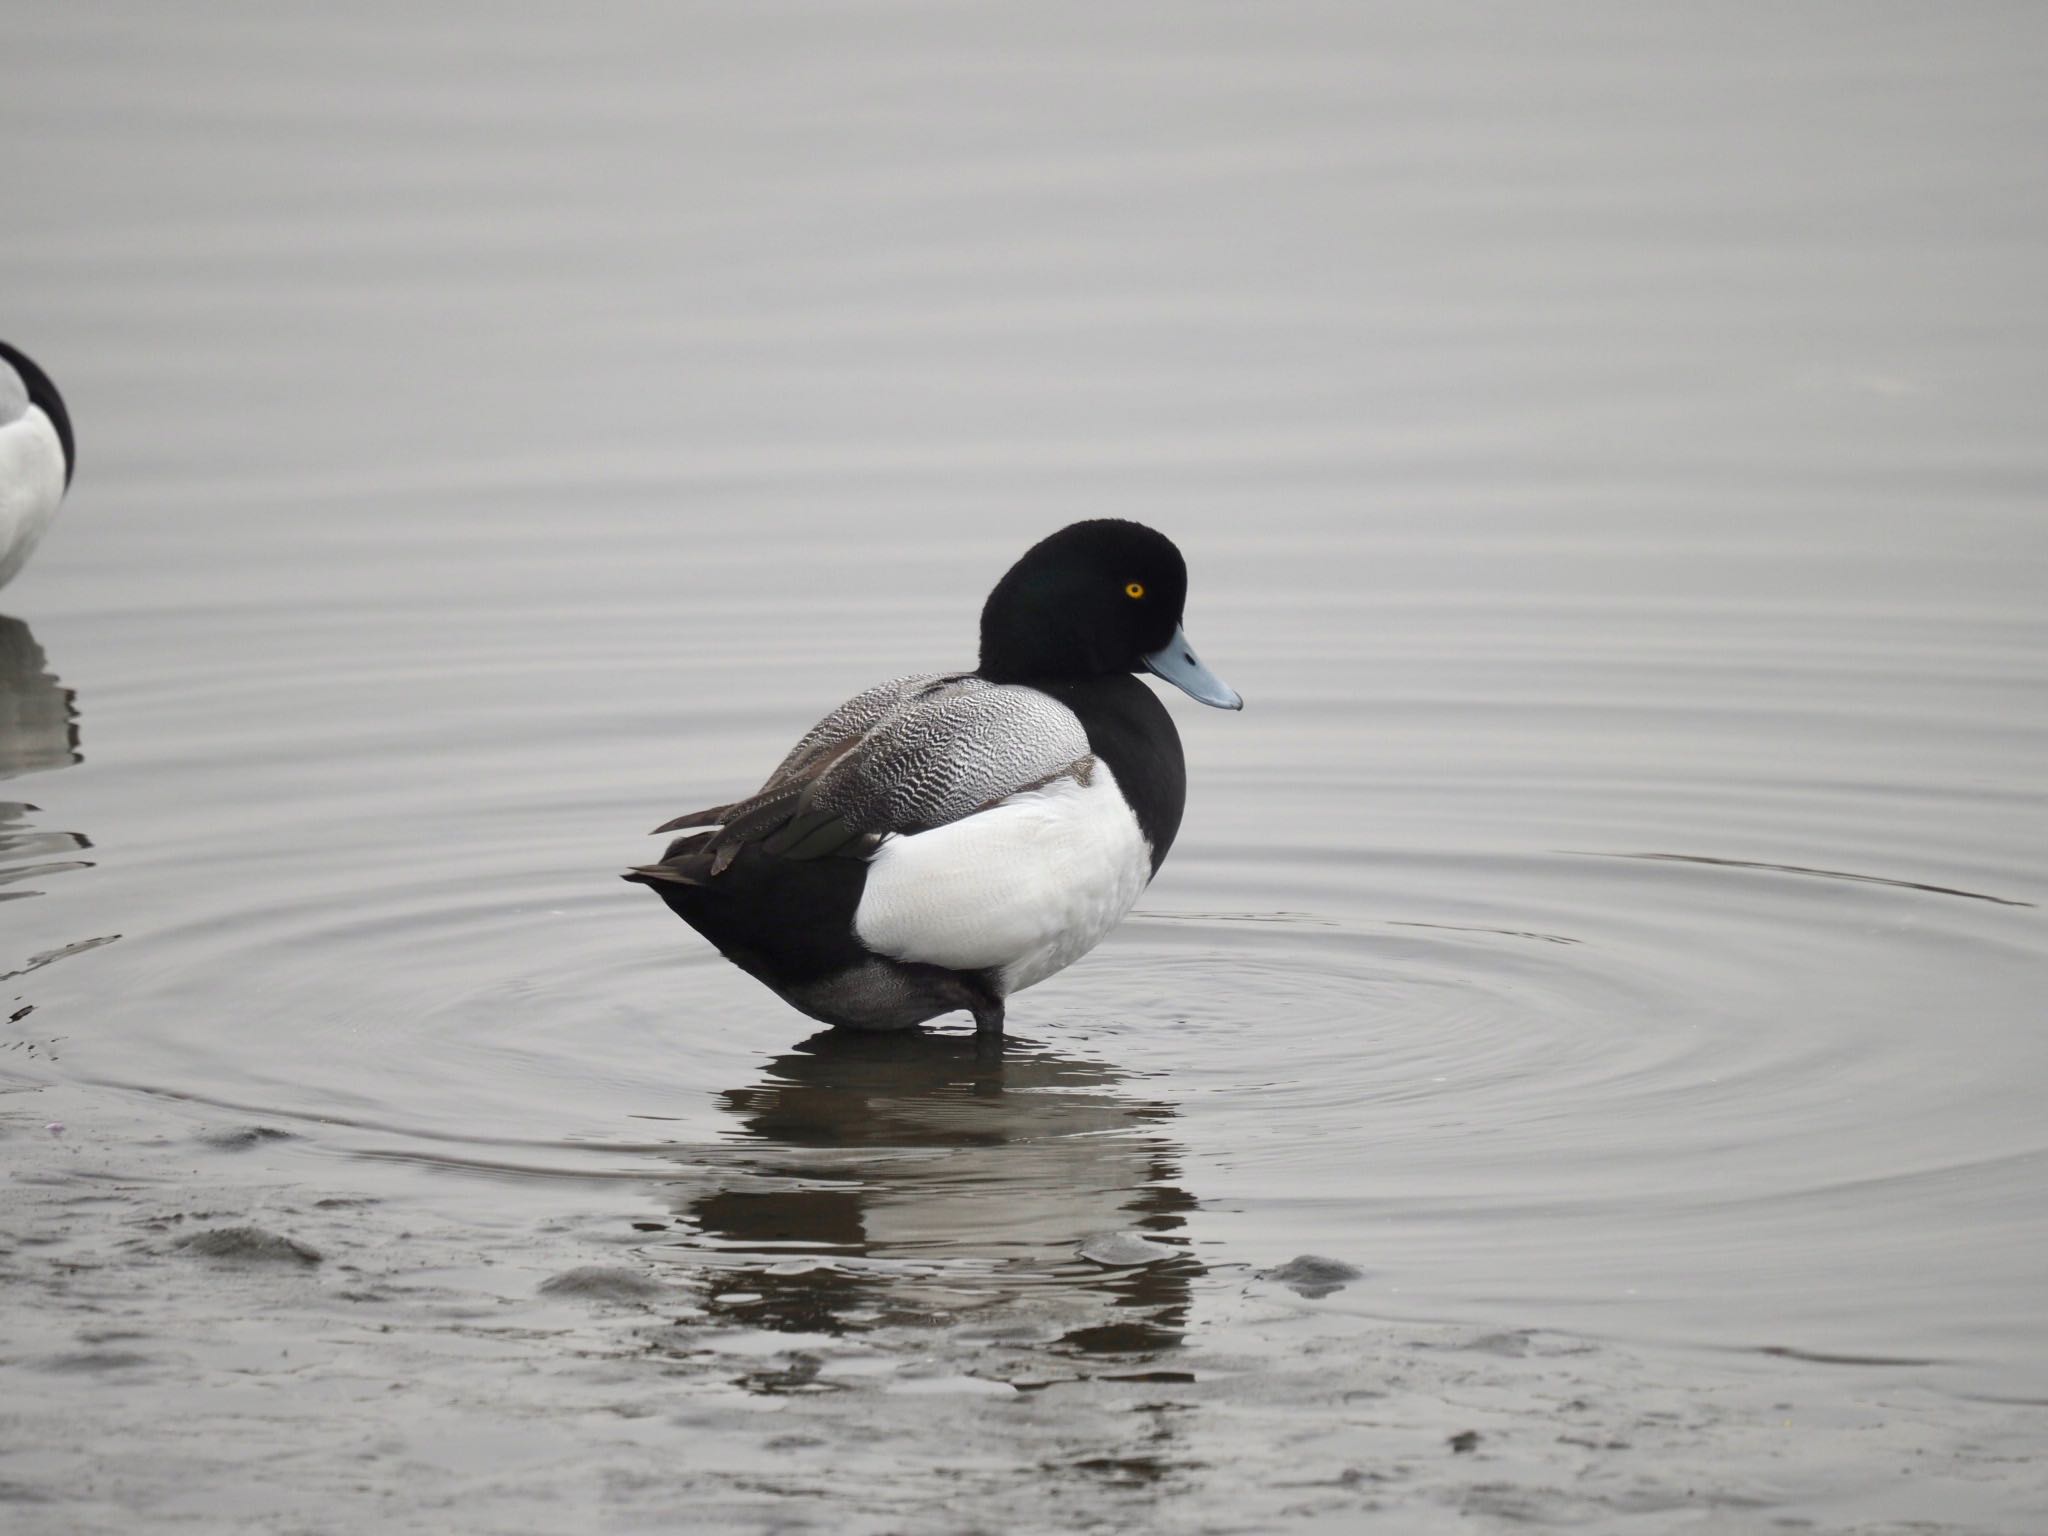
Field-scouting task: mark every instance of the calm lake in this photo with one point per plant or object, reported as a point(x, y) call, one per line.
point(1611, 452)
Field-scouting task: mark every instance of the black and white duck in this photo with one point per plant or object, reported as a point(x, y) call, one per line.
point(36, 456)
point(943, 840)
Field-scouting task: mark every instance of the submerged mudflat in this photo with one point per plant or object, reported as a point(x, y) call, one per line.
point(215, 1330)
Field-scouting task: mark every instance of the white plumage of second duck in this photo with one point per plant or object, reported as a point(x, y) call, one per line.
point(36, 457)
point(941, 841)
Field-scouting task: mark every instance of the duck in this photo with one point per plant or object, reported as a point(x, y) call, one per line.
point(943, 840)
point(36, 457)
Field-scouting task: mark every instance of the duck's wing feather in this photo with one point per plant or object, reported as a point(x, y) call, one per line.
point(947, 750)
point(843, 728)
point(854, 719)
point(904, 757)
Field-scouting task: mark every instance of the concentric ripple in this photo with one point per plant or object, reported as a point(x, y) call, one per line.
point(1547, 960)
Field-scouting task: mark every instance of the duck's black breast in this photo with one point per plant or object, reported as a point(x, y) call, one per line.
point(1129, 729)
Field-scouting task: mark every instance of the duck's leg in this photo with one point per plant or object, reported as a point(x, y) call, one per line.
point(988, 1023)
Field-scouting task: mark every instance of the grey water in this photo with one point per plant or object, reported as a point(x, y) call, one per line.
point(1611, 450)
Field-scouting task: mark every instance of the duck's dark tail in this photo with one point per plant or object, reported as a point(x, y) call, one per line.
point(685, 863)
point(784, 920)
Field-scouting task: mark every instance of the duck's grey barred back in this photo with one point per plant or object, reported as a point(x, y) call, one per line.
point(947, 750)
point(904, 756)
point(852, 720)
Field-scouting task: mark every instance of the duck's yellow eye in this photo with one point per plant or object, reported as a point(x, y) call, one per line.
point(1134, 589)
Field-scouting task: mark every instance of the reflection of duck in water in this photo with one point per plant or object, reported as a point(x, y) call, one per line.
point(36, 455)
point(906, 1178)
point(38, 731)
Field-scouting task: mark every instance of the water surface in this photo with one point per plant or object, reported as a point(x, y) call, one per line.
point(1610, 460)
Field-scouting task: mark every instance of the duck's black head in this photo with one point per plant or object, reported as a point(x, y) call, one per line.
point(1095, 598)
point(43, 392)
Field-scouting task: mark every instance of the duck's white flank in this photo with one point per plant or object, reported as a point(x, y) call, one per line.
point(1024, 888)
point(31, 485)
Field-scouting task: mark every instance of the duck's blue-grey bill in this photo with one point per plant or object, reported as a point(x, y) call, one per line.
point(1177, 662)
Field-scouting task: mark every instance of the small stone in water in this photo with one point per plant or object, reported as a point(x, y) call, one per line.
point(604, 1282)
point(249, 1245)
point(1124, 1250)
point(1313, 1276)
point(243, 1137)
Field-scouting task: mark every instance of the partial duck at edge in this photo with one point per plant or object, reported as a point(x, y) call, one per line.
point(36, 457)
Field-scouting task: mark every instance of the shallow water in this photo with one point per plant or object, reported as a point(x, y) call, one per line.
point(1611, 465)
